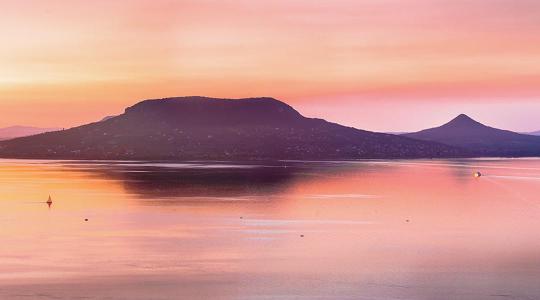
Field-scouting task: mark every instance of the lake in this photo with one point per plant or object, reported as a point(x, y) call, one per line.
point(407, 229)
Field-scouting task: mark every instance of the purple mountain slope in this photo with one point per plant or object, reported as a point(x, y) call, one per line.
point(207, 128)
point(480, 139)
point(20, 131)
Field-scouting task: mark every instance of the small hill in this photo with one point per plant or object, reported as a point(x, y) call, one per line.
point(21, 131)
point(106, 118)
point(480, 139)
point(198, 128)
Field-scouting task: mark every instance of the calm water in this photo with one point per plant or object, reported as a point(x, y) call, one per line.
point(287, 230)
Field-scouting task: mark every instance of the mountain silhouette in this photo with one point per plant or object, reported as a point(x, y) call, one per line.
point(12, 132)
point(480, 139)
point(193, 128)
point(106, 118)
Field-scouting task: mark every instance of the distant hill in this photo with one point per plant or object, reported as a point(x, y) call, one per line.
point(106, 118)
point(188, 128)
point(20, 131)
point(480, 139)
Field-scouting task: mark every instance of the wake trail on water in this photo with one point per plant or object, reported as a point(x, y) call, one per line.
point(515, 177)
point(459, 165)
point(508, 190)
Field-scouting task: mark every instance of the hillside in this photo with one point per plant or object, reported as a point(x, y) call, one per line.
point(480, 139)
point(12, 132)
point(188, 128)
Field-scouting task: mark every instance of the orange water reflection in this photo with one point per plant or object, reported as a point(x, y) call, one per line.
point(288, 230)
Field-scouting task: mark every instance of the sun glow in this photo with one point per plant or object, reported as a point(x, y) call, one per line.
point(100, 56)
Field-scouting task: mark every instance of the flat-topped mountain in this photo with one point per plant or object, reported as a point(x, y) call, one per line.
point(187, 128)
point(482, 140)
point(12, 132)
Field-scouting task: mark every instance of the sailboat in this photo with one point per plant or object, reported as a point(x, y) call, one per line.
point(49, 201)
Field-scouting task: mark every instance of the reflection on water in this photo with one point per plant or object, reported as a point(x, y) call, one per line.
point(281, 230)
point(207, 181)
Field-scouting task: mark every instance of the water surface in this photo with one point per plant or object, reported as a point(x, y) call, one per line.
point(284, 230)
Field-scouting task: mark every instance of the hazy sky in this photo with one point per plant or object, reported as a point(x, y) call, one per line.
point(375, 64)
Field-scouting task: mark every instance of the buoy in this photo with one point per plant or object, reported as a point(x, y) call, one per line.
point(86, 220)
point(477, 174)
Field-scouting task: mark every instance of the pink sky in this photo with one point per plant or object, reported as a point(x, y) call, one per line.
point(382, 65)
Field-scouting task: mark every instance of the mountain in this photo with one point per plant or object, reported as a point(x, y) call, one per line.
point(106, 118)
point(534, 133)
point(187, 128)
point(480, 139)
point(20, 131)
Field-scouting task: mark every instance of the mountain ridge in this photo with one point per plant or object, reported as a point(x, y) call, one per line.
point(191, 128)
point(482, 140)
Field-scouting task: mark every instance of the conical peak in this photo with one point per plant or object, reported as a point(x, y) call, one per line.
point(463, 120)
point(463, 117)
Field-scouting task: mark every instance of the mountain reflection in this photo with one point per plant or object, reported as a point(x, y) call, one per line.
point(223, 180)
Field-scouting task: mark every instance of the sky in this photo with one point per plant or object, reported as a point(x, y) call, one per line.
point(383, 65)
